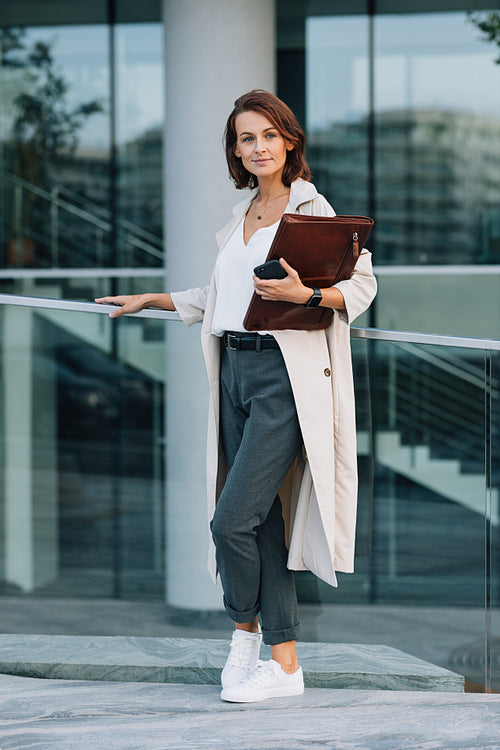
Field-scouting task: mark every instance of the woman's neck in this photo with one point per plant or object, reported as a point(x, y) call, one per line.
point(269, 189)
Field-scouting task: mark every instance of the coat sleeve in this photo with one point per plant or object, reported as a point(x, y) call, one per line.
point(360, 290)
point(191, 304)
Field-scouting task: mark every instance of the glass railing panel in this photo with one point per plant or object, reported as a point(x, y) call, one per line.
point(429, 448)
point(398, 304)
point(423, 579)
point(81, 454)
point(102, 458)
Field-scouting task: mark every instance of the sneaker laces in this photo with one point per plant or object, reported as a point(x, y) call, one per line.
point(262, 671)
point(242, 650)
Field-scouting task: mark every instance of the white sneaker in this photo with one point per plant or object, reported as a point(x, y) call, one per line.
point(267, 680)
point(243, 657)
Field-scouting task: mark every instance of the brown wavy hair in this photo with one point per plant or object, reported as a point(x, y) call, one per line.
point(285, 122)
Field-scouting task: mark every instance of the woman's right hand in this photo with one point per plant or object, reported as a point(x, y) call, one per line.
point(128, 303)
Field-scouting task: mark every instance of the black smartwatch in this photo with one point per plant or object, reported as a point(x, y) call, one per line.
point(315, 298)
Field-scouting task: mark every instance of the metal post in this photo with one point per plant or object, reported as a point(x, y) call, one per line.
point(158, 489)
point(392, 503)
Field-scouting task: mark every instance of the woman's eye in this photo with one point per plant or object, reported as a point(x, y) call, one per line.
point(247, 139)
point(272, 135)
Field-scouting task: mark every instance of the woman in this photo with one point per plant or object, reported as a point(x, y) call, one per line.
point(282, 402)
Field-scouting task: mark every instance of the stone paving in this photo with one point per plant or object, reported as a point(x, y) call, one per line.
point(55, 714)
point(69, 715)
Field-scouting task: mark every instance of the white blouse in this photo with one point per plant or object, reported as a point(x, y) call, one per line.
point(233, 276)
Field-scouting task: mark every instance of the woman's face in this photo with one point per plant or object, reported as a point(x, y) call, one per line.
point(260, 146)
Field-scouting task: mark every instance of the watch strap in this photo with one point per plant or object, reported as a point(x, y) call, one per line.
point(315, 298)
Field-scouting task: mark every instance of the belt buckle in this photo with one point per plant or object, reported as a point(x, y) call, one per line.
point(230, 336)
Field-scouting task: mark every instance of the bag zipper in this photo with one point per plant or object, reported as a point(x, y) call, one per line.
point(355, 245)
point(355, 251)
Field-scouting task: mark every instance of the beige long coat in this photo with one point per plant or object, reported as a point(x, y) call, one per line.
point(319, 495)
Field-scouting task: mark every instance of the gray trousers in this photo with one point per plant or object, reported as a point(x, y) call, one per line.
point(261, 435)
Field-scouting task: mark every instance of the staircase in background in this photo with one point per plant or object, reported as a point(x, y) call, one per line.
point(441, 475)
point(430, 426)
point(66, 230)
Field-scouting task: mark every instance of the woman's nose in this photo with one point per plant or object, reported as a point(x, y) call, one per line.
point(260, 145)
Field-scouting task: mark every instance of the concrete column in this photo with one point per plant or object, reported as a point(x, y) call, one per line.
point(29, 429)
point(17, 394)
point(215, 50)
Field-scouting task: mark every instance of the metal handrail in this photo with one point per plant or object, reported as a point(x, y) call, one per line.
point(75, 306)
point(433, 339)
point(376, 334)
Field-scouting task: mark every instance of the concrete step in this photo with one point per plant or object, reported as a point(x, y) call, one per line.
point(200, 661)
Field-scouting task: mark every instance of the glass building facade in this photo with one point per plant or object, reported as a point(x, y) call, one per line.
point(401, 106)
point(81, 148)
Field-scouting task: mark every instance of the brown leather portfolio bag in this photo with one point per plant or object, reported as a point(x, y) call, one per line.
point(323, 250)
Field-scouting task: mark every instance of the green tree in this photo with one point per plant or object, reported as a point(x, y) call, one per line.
point(44, 125)
point(488, 22)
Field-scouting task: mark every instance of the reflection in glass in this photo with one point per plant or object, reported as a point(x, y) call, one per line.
point(337, 109)
point(435, 137)
point(139, 132)
point(437, 141)
point(83, 288)
point(432, 501)
point(82, 410)
point(82, 457)
point(419, 586)
point(431, 489)
point(53, 114)
point(80, 175)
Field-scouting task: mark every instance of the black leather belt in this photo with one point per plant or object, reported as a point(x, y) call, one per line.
point(247, 341)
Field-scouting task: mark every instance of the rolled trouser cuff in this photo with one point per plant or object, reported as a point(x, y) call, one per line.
point(239, 617)
point(273, 637)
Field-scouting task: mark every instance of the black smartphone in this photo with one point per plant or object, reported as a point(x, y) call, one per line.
point(272, 269)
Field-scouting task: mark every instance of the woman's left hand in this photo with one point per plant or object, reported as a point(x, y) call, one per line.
point(289, 289)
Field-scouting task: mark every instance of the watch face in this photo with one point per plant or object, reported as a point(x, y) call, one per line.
point(315, 299)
